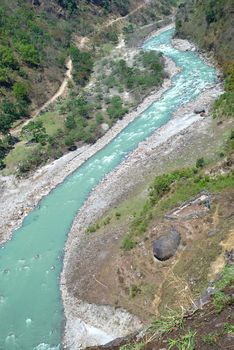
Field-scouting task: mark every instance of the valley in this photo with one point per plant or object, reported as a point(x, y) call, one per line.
point(135, 149)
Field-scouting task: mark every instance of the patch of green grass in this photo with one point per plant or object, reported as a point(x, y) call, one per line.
point(134, 290)
point(228, 328)
point(210, 339)
point(128, 243)
point(166, 324)
point(137, 346)
point(220, 299)
point(92, 228)
point(19, 154)
point(52, 122)
point(117, 215)
point(186, 342)
point(107, 221)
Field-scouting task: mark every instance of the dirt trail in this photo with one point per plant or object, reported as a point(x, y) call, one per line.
point(59, 92)
point(118, 19)
point(68, 74)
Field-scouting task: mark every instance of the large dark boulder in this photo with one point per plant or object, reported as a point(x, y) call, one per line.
point(165, 246)
point(72, 148)
point(199, 110)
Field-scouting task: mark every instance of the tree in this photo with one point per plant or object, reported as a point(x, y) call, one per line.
point(29, 54)
point(35, 131)
point(20, 91)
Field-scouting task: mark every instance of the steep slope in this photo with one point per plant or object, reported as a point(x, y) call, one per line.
point(210, 24)
point(35, 37)
point(38, 38)
point(34, 45)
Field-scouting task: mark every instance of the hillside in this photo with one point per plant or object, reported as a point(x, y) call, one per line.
point(210, 24)
point(37, 39)
point(34, 44)
point(123, 187)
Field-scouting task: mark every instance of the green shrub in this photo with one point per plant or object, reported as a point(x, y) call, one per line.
point(200, 163)
point(116, 109)
point(92, 228)
point(20, 91)
point(128, 243)
point(35, 131)
point(82, 65)
point(29, 53)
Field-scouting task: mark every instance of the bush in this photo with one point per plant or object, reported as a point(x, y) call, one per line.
point(7, 58)
point(20, 91)
point(29, 53)
point(162, 183)
point(82, 65)
point(35, 131)
point(116, 109)
point(128, 243)
point(200, 163)
point(37, 157)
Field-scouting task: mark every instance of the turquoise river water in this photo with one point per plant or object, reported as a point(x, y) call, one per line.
point(31, 310)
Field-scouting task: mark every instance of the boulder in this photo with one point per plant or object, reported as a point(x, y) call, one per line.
point(199, 110)
point(72, 148)
point(105, 126)
point(165, 246)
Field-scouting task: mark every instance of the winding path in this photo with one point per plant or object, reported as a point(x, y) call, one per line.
point(69, 66)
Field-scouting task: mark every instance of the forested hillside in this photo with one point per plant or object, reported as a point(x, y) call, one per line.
point(210, 24)
point(37, 38)
point(34, 44)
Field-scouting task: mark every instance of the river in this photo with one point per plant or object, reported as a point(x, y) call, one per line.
point(31, 310)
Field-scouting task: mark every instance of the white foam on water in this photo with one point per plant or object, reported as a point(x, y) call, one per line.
point(44, 346)
point(2, 299)
point(28, 321)
point(10, 339)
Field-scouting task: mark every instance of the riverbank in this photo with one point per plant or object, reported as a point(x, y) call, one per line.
point(182, 137)
point(20, 196)
point(176, 129)
point(183, 134)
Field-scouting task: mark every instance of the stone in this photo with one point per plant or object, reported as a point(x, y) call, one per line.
point(166, 246)
point(199, 110)
point(72, 148)
point(105, 126)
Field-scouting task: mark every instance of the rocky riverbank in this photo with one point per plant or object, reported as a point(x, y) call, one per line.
point(99, 324)
point(184, 132)
point(20, 196)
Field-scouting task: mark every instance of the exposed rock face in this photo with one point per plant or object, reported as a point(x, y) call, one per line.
point(165, 246)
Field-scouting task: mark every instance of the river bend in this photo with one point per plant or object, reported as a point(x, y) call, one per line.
point(31, 311)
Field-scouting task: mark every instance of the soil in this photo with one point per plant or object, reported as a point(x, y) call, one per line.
point(208, 325)
point(138, 282)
